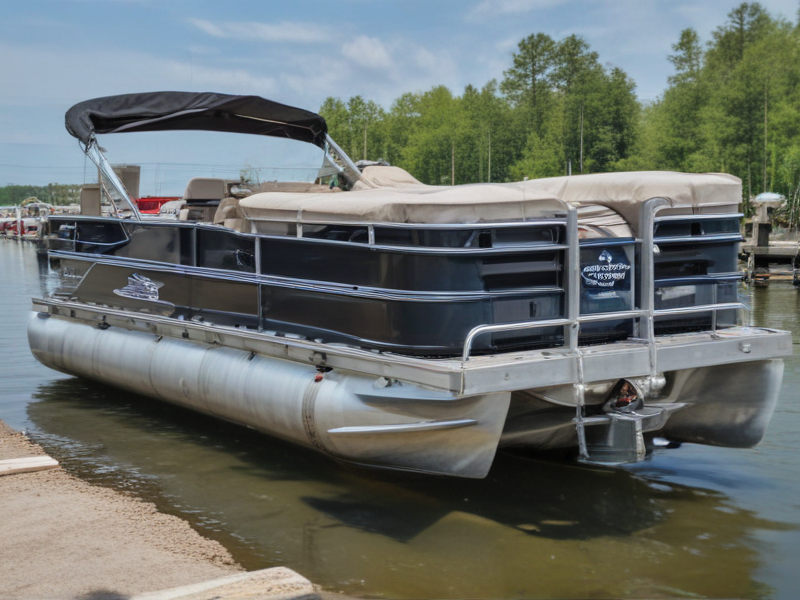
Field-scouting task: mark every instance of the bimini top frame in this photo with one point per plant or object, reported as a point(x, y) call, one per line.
point(182, 111)
point(171, 111)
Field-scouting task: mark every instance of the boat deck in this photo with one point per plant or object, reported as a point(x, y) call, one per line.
point(479, 374)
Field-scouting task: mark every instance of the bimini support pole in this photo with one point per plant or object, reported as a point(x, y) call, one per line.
point(349, 168)
point(98, 158)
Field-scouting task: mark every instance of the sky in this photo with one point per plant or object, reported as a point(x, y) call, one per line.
point(54, 54)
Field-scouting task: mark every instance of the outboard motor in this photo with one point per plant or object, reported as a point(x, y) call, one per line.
point(617, 436)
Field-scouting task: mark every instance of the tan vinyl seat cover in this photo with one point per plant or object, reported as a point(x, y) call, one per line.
point(391, 195)
point(228, 216)
point(228, 209)
point(205, 188)
point(597, 221)
point(379, 176)
point(407, 202)
point(687, 193)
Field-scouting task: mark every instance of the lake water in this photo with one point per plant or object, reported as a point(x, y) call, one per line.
point(690, 522)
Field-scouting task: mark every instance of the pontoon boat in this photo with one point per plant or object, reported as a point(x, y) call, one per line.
point(390, 323)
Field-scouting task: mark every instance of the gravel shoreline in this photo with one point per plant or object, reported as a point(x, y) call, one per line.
point(65, 538)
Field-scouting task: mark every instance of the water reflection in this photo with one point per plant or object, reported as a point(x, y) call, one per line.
point(531, 528)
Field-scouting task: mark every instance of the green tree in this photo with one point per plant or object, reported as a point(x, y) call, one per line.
point(435, 143)
point(578, 79)
point(688, 58)
point(734, 107)
point(52, 193)
point(672, 126)
point(488, 117)
point(528, 82)
point(746, 24)
point(356, 126)
point(542, 155)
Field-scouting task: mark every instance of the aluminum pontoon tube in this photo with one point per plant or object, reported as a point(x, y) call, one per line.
point(352, 417)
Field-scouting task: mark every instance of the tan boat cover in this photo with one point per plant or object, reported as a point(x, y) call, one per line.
point(394, 177)
point(687, 193)
point(391, 195)
point(596, 221)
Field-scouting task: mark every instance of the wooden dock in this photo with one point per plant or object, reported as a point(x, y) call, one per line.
point(27, 464)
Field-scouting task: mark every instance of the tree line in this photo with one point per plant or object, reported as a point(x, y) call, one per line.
point(52, 193)
point(732, 105)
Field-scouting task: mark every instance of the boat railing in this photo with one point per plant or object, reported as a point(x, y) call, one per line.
point(644, 316)
point(613, 316)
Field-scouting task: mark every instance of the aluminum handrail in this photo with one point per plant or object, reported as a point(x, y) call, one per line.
point(700, 279)
point(534, 247)
point(572, 282)
point(647, 219)
point(612, 316)
point(485, 225)
point(699, 308)
point(572, 288)
point(438, 226)
point(125, 241)
point(503, 327)
point(699, 217)
point(691, 239)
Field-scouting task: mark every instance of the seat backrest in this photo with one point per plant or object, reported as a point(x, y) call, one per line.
point(90, 200)
point(202, 214)
point(227, 209)
point(203, 189)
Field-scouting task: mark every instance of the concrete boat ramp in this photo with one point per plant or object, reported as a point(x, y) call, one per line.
point(65, 538)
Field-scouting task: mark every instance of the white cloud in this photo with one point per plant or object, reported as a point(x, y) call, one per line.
point(424, 58)
point(489, 8)
point(207, 27)
point(440, 68)
point(57, 76)
point(367, 52)
point(508, 44)
point(286, 31)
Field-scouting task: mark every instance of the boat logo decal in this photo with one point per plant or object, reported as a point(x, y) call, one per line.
point(140, 288)
point(605, 273)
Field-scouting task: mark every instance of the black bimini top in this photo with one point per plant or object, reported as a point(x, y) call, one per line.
point(170, 111)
